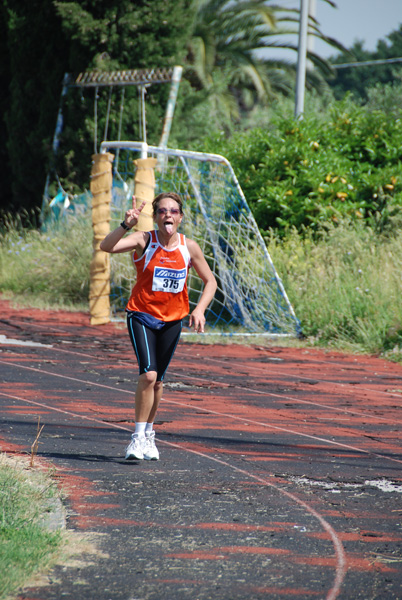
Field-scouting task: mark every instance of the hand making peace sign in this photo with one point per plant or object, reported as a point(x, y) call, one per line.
point(133, 214)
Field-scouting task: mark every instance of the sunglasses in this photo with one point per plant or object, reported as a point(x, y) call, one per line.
point(164, 211)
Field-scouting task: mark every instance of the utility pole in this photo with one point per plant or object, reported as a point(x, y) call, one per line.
point(312, 11)
point(301, 59)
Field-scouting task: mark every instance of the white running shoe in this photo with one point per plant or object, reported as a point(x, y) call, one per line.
point(134, 450)
point(150, 451)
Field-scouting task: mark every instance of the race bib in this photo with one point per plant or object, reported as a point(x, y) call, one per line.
point(169, 280)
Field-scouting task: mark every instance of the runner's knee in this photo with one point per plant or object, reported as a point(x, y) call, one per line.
point(149, 378)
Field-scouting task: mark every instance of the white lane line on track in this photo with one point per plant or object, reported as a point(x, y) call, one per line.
point(6, 341)
point(214, 359)
point(303, 378)
point(297, 400)
point(340, 555)
point(210, 411)
point(262, 393)
point(259, 392)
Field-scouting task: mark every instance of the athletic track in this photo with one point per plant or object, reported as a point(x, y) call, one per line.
point(280, 472)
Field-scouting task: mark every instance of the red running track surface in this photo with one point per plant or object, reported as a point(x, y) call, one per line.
point(280, 472)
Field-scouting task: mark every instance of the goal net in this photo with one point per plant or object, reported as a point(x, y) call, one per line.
point(250, 296)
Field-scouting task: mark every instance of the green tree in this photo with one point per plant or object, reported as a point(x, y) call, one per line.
point(111, 36)
point(122, 33)
point(358, 80)
point(35, 47)
point(229, 57)
point(5, 75)
point(222, 50)
point(46, 39)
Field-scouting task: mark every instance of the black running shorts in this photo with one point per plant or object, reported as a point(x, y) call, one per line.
point(154, 348)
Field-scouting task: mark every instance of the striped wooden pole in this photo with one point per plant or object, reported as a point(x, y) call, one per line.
point(145, 190)
point(101, 189)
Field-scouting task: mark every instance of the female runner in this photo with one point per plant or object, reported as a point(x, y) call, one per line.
point(158, 304)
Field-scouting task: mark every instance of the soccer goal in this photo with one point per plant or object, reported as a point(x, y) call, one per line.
point(251, 298)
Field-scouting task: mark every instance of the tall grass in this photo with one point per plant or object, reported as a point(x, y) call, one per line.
point(52, 267)
point(345, 284)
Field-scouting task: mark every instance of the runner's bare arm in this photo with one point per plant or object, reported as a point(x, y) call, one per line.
point(197, 318)
point(115, 243)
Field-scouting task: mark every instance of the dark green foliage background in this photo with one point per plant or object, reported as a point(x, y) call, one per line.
point(345, 161)
point(299, 174)
point(359, 80)
point(41, 41)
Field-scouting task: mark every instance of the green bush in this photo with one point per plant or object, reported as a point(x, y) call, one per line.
point(308, 172)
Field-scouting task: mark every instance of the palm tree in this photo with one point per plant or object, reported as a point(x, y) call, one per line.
point(227, 53)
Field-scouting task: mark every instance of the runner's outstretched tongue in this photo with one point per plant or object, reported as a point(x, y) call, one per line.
point(169, 228)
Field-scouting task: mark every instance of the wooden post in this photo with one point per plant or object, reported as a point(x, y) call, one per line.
point(101, 189)
point(144, 191)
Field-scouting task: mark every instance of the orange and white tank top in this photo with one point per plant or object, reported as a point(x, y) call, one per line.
point(161, 287)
